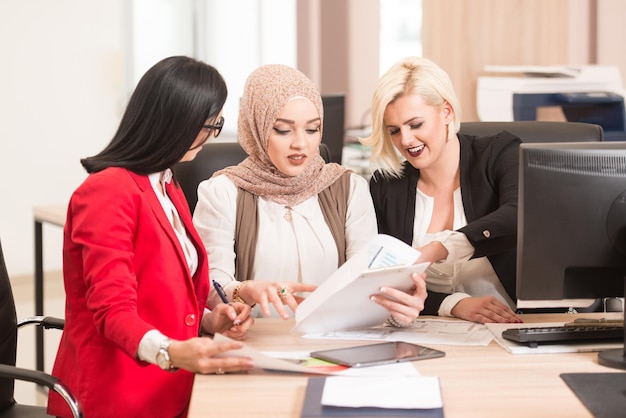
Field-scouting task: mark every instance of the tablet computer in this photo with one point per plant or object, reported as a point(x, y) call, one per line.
point(377, 354)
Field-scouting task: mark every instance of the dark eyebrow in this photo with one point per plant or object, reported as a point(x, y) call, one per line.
point(292, 122)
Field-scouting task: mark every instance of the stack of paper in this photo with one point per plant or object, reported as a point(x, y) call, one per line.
point(390, 397)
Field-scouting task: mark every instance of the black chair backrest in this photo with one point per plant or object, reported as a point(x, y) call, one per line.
point(214, 156)
point(538, 131)
point(8, 333)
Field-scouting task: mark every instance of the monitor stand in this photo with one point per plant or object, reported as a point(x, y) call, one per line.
point(615, 358)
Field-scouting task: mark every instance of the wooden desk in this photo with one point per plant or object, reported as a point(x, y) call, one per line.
point(475, 381)
point(54, 215)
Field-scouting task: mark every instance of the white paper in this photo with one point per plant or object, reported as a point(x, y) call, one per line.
point(342, 301)
point(284, 362)
point(516, 348)
point(262, 361)
point(418, 392)
point(403, 368)
point(427, 331)
point(385, 251)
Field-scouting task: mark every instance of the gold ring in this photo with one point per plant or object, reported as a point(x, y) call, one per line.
point(283, 292)
point(219, 371)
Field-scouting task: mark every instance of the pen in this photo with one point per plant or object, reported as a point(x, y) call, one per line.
point(220, 291)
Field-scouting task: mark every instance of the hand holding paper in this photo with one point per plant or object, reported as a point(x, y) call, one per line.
point(343, 300)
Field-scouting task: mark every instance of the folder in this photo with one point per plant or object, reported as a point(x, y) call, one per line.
point(343, 302)
point(313, 407)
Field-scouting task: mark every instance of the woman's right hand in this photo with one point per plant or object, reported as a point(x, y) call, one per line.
point(278, 294)
point(197, 355)
point(485, 309)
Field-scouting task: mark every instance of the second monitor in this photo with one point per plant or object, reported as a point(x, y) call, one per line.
point(334, 121)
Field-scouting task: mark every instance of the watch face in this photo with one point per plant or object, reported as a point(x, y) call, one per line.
point(163, 360)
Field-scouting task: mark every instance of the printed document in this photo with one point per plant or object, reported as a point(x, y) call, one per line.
point(424, 331)
point(301, 362)
point(343, 302)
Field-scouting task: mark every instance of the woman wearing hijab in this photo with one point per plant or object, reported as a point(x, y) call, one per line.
point(283, 220)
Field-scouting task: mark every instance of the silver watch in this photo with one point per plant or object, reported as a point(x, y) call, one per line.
point(163, 356)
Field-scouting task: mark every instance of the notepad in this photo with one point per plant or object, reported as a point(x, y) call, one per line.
point(417, 392)
point(389, 397)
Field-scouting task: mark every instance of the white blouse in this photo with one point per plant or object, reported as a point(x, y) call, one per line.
point(296, 248)
point(457, 274)
point(151, 341)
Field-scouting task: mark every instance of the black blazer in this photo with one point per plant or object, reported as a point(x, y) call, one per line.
point(489, 180)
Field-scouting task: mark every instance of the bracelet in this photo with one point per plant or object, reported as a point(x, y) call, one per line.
point(236, 294)
point(395, 323)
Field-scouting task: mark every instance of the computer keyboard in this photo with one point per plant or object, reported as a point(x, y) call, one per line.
point(564, 334)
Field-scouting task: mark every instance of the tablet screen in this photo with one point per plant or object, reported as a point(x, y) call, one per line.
point(376, 354)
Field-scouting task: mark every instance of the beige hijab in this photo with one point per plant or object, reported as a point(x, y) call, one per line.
point(266, 92)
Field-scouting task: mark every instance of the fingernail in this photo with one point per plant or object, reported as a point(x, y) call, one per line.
point(237, 322)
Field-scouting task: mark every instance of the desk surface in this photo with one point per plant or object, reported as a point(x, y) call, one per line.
point(475, 381)
point(53, 214)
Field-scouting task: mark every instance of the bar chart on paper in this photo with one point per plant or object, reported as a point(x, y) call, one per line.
point(386, 251)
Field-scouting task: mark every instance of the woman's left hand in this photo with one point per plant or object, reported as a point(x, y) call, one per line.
point(405, 307)
point(233, 320)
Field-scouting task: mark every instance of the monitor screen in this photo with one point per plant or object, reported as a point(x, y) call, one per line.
point(571, 243)
point(334, 121)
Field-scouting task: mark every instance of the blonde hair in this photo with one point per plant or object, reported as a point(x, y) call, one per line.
point(411, 75)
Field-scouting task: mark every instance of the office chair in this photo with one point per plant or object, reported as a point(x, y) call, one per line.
point(549, 131)
point(538, 131)
point(213, 157)
point(9, 325)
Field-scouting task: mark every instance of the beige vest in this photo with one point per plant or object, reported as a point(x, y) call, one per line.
point(333, 202)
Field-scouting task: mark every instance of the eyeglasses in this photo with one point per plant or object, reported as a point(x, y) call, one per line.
point(217, 128)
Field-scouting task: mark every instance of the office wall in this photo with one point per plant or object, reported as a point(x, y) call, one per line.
point(338, 49)
point(62, 90)
point(492, 32)
point(611, 33)
point(62, 79)
point(463, 37)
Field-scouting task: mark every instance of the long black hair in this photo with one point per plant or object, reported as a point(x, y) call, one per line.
point(165, 113)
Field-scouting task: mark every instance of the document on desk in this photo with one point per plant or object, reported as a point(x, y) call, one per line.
point(390, 397)
point(516, 348)
point(301, 362)
point(343, 302)
point(427, 331)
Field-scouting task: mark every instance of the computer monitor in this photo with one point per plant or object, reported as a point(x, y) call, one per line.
point(334, 122)
point(571, 243)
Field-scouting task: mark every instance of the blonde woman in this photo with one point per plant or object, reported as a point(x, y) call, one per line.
point(451, 196)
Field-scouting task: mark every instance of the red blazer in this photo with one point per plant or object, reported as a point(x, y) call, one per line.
point(125, 273)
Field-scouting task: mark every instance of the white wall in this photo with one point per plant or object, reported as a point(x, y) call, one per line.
point(68, 68)
point(61, 94)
